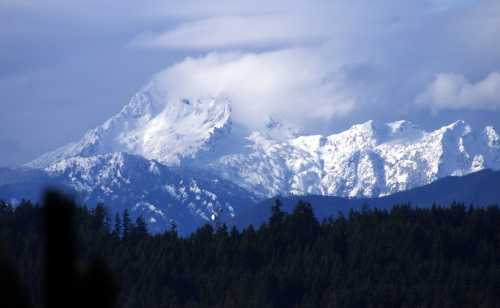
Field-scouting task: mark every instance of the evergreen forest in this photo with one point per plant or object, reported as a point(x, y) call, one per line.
point(57, 254)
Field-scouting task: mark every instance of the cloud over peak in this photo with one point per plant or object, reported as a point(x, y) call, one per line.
point(455, 91)
point(226, 32)
point(325, 64)
point(294, 84)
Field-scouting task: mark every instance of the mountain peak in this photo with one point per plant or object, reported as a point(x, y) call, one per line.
point(150, 126)
point(401, 125)
point(457, 125)
point(277, 129)
point(185, 128)
point(492, 136)
point(371, 158)
point(372, 132)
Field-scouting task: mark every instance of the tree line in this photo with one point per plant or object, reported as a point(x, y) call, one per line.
point(402, 257)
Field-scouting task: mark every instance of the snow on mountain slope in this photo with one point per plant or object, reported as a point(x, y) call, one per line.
point(162, 195)
point(154, 127)
point(369, 159)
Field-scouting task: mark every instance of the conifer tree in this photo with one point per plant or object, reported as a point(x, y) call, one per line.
point(126, 225)
point(277, 214)
point(117, 230)
point(99, 213)
point(402, 257)
point(140, 228)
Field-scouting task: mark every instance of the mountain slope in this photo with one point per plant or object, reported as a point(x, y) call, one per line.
point(162, 195)
point(481, 188)
point(152, 127)
point(371, 159)
point(24, 183)
point(367, 160)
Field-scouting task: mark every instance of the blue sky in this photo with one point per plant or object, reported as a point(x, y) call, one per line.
point(66, 67)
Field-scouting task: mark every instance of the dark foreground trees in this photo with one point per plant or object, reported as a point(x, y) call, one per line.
point(56, 277)
point(438, 257)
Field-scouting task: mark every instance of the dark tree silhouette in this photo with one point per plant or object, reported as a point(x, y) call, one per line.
point(403, 257)
point(64, 285)
point(12, 294)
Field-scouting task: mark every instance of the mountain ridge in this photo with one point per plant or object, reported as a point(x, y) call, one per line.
point(366, 160)
point(477, 189)
point(199, 138)
point(163, 196)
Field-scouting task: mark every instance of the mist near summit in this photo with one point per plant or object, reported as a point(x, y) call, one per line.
point(320, 66)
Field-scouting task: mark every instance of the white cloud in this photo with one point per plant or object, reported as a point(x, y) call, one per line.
point(235, 31)
point(454, 91)
point(294, 84)
point(366, 59)
point(204, 9)
point(266, 24)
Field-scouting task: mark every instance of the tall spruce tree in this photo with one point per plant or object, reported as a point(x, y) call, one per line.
point(277, 214)
point(140, 230)
point(126, 225)
point(117, 229)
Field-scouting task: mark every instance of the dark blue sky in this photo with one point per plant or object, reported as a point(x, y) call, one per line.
point(65, 68)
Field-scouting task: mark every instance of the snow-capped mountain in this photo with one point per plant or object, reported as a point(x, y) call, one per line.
point(368, 160)
point(158, 147)
point(164, 196)
point(154, 128)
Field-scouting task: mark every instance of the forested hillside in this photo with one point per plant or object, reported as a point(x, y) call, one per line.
point(403, 257)
point(478, 188)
